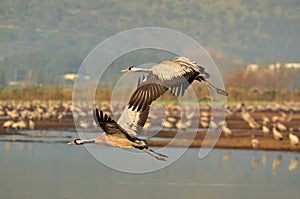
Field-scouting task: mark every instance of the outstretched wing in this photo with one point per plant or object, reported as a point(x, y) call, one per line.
point(148, 91)
point(109, 126)
point(133, 121)
point(134, 118)
point(174, 75)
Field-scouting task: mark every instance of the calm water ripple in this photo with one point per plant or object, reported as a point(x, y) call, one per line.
point(56, 170)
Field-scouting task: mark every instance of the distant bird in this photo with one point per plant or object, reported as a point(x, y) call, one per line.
point(225, 129)
point(60, 117)
point(168, 124)
point(8, 123)
point(290, 117)
point(281, 126)
point(115, 135)
point(15, 125)
point(171, 119)
point(212, 124)
point(265, 129)
point(282, 116)
point(277, 135)
point(189, 114)
point(204, 122)
point(13, 114)
point(249, 119)
point(204, 114)
point(174, 75)
point(254, 142)
point(31, 125)
point(19, 125)
point(294, 140)
point(183, 125)
point(253, 124)
point(265, 119)
point(275, 118)
point(84, 125)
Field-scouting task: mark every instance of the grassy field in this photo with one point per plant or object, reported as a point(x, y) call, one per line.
point(60, 92)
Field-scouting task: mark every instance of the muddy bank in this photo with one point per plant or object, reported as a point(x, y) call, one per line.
point(241, 138)
point(230, 143)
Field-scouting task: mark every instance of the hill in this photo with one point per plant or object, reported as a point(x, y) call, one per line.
point(50, 38)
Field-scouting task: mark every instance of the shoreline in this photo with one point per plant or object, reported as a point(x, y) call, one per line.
point(240, 140)
point(241, 136)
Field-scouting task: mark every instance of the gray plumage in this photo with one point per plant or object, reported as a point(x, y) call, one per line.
point(115, 135)
point(133, 121)
point(174, 75)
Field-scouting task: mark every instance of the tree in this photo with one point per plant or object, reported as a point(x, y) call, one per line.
point(277, 78)
point(3, 80)
point(242, 79)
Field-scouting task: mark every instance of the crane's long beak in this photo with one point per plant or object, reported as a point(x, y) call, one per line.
point(124, 70)
point(71, 142)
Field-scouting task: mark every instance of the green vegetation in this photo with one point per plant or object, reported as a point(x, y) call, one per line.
point(52, 38)
point(104, 93)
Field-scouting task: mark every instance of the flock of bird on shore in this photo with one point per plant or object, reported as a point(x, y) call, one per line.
point(281, 124)
point(23, 115)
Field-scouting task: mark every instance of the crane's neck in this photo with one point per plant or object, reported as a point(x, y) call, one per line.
point(86, 141)
point(100, 138)
point(145, 70)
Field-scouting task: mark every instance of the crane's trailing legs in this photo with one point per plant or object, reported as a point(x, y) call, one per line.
point(218, 90)
point(158, 156)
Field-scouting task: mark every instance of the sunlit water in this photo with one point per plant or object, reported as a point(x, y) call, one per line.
point(56, 170)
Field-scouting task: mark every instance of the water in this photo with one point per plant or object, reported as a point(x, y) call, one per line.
point(56, 170)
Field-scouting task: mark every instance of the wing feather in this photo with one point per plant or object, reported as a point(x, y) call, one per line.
point(132, 121)
point(109, 126)
point(174, 75)
point(148, 91)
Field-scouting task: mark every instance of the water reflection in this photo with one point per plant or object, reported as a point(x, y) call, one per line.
point(264, 159)
point(41, 136)
point(18, 146)
point(254, 162)
point(56, 170)
point(293, 163)
point(226, 157)
point(276, 161)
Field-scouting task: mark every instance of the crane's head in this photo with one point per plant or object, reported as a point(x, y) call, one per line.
point(131, 68)
point(77, 142)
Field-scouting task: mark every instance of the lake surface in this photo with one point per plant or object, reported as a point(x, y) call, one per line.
point(49, 168)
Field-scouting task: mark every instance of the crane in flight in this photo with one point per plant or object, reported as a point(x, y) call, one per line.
point(115, 135)
point(124, 133)
point(174, 75)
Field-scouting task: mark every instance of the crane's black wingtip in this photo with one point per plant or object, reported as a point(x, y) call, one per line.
point(96, 115)
point(99, 116)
